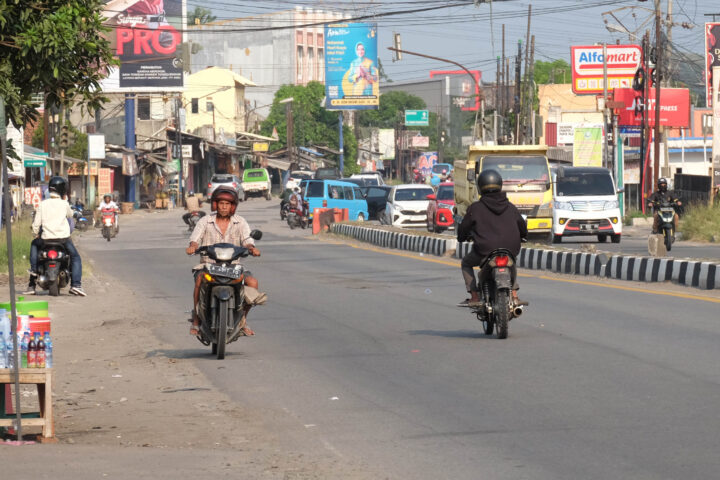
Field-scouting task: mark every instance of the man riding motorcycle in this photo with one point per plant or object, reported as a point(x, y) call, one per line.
point(492, 222)
point(221, 226)
point(662, 195)
point(296, 202)
point(108, 204)
point(51, 223)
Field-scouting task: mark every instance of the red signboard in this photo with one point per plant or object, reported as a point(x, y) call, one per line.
point(588, 64)
point(674, 107)
point(712, 57)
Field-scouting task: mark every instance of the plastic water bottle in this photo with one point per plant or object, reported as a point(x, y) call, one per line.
point(40, 351)
point(24, 350)
point(48, 350)
point(3, 351)
point(32, 352)
point(5, 325)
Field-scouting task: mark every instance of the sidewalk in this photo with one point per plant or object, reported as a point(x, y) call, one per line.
point(128, 405)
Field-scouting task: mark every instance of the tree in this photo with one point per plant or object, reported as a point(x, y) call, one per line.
point(557, 71)
point(392, 106)
point(52, 47)
point(201, 16)
point(312, 124)
point(78, 147)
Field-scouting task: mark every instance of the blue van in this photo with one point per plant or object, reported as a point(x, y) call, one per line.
point(335, 194)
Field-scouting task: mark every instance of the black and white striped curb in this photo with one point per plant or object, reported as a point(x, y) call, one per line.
point(400, 241)
point(704, 275)
point(578, 263)
point(691, 273)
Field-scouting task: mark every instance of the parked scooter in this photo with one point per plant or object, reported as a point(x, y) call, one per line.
point(496, 280)
point(109, 223)
point(81, 221)
point(53, 267)
point(666, 211)
point(222, 295)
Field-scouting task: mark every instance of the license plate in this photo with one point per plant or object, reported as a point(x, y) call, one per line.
point(592, 226)
point(229, 272)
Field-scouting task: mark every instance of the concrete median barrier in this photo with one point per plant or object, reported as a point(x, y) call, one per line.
point(691, 273)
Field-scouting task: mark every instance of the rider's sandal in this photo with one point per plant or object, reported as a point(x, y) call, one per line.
point(195, 330)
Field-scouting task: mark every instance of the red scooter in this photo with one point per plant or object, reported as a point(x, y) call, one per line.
point(109, 223)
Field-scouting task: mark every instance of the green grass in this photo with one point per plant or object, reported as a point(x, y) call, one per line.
point(21, 236)
point(701, 223)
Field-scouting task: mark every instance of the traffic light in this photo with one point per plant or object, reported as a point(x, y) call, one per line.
point(64, 137)
point(397, 43)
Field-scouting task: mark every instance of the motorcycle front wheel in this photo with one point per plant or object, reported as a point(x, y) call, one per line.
point(221, 333)
point(502, 313)
point(668, 239)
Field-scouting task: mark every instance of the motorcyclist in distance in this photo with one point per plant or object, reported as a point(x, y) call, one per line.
point(221, 226)
point(492, 222)
point(662, 195)
point(108, 204)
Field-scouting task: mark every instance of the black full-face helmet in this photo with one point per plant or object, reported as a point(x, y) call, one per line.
point(58, 185)
point(489, 181)
point(662, 184)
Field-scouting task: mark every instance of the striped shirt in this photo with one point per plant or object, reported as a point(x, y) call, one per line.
point(207, 233)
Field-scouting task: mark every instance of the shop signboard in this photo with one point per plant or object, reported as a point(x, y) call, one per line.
point(565, 133)
point(105, 181)
point(351, 73)
point(674, 107)
point(588, 146)
point(147, 36)
point(712, 58)
point(420, 141)
point(260, 146)
point(588, 64)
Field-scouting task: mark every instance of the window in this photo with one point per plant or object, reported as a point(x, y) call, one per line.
point(335, 192)
point(315, 189)
point(358, 193)
point(348, 191)
point(194, 108)
point(299, 60)
point(320, 65)
point(578, 184)
point(412, 194)
point(311, 64)
point(209, 107)
point(143, 108)
point(446, 193)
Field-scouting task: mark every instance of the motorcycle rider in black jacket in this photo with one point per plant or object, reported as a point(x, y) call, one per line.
point(662, 195)
point(492, 222)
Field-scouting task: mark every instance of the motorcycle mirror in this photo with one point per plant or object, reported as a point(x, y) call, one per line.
point(256, 234)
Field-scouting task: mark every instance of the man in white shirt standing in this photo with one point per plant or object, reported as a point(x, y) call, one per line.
point(52, 218)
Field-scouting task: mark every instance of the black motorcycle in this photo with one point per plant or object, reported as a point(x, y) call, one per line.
point(496, 280)
point(53, 267)
point(297, 220)
point(284, 209)
point(222, 295)
point(193, 218)
point(666, 211)
point(82, 222)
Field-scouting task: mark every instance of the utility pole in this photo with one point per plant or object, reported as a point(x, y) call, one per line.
point(518, 80)
point(498, 75)
point(504, 78)
point(669, 23)
point(605, 109)
point(507, 98)
point(658, 69)
point(178, 138)
point(524, 91)
point(531, 93)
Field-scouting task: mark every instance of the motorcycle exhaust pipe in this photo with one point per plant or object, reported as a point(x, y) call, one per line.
point(518, 310)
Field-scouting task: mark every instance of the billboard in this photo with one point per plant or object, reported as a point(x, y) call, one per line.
point(146, 35)
point(712, 57)
point(674, 107)
point(587, 67)
point(588, 146)
point(351, 74)
point(462, 87)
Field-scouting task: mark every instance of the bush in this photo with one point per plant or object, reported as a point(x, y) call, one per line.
point(701, 222)
point(22, 236)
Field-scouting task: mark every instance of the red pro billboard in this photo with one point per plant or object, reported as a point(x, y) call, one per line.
point(712, 57)
point(588, 65)
point(674, 107)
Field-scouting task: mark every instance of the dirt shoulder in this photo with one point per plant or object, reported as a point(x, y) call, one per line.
point(125, 404)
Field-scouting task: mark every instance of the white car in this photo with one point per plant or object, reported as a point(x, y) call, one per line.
point(407, 205)
point(371, 178)
point(296, 176)
point(585, 202)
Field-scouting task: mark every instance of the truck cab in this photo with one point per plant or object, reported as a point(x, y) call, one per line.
point(526, 180)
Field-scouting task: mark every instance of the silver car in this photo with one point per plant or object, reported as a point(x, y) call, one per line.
point(227, 180)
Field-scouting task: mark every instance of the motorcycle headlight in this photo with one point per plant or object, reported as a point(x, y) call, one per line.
point(224, 254)
point(563, 206)
point(610, 205)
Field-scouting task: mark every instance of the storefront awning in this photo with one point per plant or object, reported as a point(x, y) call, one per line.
point(277, 163)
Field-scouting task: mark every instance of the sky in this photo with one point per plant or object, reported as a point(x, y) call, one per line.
point(472, 35)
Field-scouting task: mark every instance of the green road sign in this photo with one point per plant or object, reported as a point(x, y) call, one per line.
point(417, 118)
point(32, 162)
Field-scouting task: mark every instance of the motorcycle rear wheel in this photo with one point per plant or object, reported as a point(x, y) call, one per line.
point(221, 333)
point(54, 289)
point(502, 313)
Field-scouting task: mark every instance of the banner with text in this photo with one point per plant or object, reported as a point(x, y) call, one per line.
point(351, 73)
point(674, 107)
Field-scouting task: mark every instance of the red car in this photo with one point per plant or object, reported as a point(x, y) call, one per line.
point(440, 208)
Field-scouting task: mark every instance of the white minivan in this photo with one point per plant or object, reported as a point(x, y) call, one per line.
point(585, 202)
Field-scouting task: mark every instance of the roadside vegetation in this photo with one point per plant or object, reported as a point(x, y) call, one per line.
point(701, 223)
point(22, 236)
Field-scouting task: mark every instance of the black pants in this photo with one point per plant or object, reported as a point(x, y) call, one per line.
point(474, 259)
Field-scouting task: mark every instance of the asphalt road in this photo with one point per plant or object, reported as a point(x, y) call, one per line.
point(362, 353)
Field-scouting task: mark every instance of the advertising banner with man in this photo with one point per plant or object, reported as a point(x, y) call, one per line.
point(352, 80)
point(146, 36)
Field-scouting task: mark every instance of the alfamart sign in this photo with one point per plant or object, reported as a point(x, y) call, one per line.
point(588, 65)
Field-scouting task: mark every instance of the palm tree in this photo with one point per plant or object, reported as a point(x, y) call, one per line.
point(200, 16)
